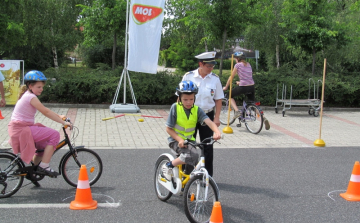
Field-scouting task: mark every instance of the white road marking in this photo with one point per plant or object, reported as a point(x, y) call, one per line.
point(9, 206)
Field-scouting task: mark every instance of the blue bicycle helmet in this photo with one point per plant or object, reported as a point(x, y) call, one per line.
point(34, 75)
point(240, 55)
point(187, 87)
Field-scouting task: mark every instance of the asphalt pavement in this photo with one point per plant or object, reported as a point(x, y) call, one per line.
point(277, 175)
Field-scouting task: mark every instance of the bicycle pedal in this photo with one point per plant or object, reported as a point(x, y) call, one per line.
point(238, 125)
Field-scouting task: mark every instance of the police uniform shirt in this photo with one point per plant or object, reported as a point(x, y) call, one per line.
point(210, 89)
point(1, 77)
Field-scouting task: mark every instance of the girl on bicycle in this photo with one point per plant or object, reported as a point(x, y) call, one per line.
point(180, 125)
point(245, 85)
point(27, 136)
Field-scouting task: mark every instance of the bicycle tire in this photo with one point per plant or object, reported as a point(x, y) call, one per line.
point(224, 113)
point(70, 169)
point(7, 168)
point(196, 209)
point(253, 119)
point(161, 192)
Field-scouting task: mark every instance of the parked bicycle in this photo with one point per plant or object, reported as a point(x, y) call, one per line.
point(251, 115)
point(13, 169)
point(198, 188)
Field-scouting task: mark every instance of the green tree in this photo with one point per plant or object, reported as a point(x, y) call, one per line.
point(12, 29)
point(104, 21)
point(311, 25)
point(52, 24)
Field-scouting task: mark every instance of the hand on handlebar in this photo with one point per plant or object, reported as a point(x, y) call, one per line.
point(67, 123)
point(217, 136)
point(182, 143)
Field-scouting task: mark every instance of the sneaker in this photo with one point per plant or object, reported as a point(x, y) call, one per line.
point(267, 124)
point(47, 171)
point(166, 172)
point(237, 114)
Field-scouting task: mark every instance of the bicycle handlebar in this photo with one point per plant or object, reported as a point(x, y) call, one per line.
point(210, 139)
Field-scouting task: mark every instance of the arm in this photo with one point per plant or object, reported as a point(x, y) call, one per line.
point(2, 102)
point(214, 128)
point(47, 112)
point(175, 136)
point(234, 72)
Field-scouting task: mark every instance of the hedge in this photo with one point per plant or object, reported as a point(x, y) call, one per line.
point(98, 86)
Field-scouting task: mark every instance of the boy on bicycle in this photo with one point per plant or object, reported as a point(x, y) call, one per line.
point(181, 124)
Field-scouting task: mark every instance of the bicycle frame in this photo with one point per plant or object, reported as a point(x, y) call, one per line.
point(183, 178)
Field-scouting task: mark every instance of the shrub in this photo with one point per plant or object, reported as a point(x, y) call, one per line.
point(99, 86)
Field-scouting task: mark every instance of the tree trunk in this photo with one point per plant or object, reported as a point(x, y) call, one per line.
point(222, 52)
point(56, 65)
point(313, 65)
point(53, 48)
point(113, 62)
point(206, 46)
point(277, 56)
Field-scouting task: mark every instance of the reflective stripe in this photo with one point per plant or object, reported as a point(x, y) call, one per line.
point(83, 184)
point(183, 129)
point(179, 127)
point(355, 178)
point(188, 137)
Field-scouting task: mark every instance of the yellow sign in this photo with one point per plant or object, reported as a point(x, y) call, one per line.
point(10, 69)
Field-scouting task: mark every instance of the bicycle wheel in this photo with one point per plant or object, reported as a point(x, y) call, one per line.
point(224, 112)
point(161, 192)
point(196, 208)
point(253, 119)
point(9, 183)
point(70, 168)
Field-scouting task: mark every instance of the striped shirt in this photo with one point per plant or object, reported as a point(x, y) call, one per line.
point(245, 74)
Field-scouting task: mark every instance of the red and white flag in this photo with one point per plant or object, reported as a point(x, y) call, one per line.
point(145, 24)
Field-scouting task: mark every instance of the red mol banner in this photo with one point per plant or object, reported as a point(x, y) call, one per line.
point(145, 25)
point(144, 13)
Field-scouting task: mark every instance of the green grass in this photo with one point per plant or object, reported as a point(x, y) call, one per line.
point(79, 64)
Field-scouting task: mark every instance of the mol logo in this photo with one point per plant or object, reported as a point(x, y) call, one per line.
point(2, 65)
point(144, 13)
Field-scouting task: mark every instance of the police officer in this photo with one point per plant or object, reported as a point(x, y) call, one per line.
point(208, 99)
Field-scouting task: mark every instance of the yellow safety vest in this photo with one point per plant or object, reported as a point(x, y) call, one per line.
point(185, 127)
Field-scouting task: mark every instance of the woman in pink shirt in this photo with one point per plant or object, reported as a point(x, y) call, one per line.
point(245, 85)
point(27, 136)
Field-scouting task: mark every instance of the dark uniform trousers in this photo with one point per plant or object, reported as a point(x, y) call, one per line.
point(206, 132)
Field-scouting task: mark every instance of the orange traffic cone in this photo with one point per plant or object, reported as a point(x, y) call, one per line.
point(353, 191)
point(216, 214)
point(83, 198)
point(1, 117)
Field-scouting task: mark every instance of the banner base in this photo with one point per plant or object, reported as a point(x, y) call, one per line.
point(124, 108)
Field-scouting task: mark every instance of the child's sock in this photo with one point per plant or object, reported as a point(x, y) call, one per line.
point(44, 165)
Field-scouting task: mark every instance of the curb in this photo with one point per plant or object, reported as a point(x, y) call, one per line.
point(265, 108)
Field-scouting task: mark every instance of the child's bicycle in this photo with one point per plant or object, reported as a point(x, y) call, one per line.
point(252, 115)
point(198, 188)
point(13, 169)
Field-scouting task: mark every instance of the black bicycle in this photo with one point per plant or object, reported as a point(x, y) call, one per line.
point(13, 169)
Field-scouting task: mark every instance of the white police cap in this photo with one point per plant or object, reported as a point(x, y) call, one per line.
point(207, 57)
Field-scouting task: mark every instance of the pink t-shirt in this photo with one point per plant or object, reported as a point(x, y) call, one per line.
point(245, 74)
point(23, 110)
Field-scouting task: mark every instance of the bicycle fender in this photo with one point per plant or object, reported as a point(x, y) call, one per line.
point(168, 155)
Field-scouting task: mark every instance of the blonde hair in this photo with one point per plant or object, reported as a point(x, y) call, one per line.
point(25, 87)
